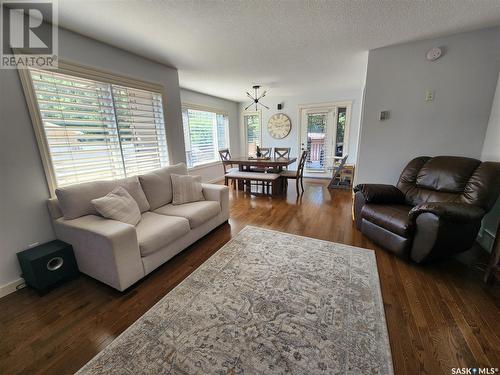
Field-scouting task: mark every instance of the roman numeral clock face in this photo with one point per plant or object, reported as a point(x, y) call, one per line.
point(279, 126)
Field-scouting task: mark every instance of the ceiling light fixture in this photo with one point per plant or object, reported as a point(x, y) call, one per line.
point(256, 98)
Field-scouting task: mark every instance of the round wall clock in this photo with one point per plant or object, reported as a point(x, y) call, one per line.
point(279, 125)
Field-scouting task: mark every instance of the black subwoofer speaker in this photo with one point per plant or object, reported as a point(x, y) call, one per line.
point(47, 265)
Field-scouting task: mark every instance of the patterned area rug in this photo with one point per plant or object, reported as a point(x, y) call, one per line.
point(266, 303)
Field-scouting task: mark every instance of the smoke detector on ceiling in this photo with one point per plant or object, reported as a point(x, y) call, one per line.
point(434, 53)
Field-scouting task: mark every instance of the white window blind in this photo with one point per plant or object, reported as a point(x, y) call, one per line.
point(205, 133)
point(95, 130)
point(141, 127)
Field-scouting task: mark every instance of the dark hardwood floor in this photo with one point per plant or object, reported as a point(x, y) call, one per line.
point(439, 316)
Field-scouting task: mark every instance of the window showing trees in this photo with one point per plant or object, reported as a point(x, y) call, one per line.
point(252, 125)
point(205, 133)
point(98, 130)
point(339, 137)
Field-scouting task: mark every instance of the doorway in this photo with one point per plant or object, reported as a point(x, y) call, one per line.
point(324, 130)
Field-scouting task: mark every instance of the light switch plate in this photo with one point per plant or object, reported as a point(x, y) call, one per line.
point(429, 96)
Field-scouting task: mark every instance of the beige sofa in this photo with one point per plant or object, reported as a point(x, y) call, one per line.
point(120, 254)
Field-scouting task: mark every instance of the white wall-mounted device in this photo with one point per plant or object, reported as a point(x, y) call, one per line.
point(434, 53)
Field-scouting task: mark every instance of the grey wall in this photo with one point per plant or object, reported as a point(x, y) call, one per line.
point(23, 214)
point(455, 123)
point(291, 108)
point(491, 151)
point(491, 147)
point(215, 172)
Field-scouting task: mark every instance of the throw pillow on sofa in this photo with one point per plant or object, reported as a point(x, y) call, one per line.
point(118, 205)
point(157, 184)
point(186, 189)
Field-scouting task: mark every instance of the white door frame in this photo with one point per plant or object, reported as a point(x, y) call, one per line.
point(326, 107)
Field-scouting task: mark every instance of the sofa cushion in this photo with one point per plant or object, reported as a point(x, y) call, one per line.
point(155, 231)
point(75, 200)
point(118, 205)
point(393, 217)
point(186, 189)
point(196, 212)
point(157, 185)
point(133, 187)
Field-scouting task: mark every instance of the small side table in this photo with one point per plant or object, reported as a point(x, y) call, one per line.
point(493, 269)
point(47, 265)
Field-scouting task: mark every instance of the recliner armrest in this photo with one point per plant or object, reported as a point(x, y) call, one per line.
point(380, 193)
point(443, 229)
point(452, 212)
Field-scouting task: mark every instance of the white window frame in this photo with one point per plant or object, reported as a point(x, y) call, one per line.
point(80, 71)
point(197, 107)
point(244, 127)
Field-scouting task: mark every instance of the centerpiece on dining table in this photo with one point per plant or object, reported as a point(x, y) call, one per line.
point(259, 155)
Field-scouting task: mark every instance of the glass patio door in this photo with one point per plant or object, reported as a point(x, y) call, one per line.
point(317, 130)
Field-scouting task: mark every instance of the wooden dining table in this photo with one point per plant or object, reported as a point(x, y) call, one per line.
point(245, 163)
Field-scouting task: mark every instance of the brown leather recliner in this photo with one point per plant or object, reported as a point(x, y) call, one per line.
point(434, 211)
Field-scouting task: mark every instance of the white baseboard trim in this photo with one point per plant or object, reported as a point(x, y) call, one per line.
point(10, 287)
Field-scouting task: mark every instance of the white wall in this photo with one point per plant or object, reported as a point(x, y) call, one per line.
point(291, 108)
point(215, 172)
point(455, 123)
point(23, 214)
point(491, 152)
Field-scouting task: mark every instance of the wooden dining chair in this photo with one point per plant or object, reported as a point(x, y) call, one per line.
point(266, 151)
point(297, 174)
point(282, 152)
point(225, 156)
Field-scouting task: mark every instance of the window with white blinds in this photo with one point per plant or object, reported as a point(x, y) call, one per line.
point(97, 130)
point(205, 133)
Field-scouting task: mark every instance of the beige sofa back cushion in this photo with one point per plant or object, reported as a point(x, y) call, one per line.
point(157, 185)
point(75, 200)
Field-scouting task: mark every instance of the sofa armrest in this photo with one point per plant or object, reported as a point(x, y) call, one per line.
point(380, 193)
point(452, 212)
point(218, 193)
point(106, 250)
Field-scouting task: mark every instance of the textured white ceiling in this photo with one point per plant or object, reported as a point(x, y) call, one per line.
point(293, 47)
